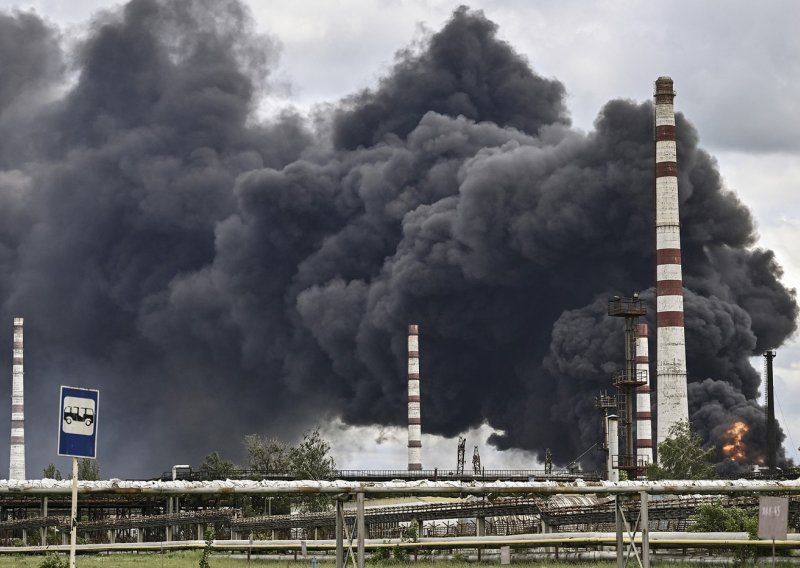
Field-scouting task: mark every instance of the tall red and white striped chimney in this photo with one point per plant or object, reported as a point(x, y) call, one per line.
point(672, 405)
point(644, 427)
point(16, 464)
point(414, 416)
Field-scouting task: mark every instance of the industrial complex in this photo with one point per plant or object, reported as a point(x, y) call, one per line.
point(547, 510)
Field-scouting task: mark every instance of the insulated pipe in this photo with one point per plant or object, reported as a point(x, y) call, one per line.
point(424, 487)
point(414, 414)
point(644, 428)
point(16, 464)
point(672, 401)
point(613, 447)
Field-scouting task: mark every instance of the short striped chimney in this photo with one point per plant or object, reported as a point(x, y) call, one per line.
point(414, 416)
point(673, 405)
point(16, 469)
point(644, 427)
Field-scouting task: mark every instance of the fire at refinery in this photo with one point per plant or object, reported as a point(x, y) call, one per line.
point(735, 449)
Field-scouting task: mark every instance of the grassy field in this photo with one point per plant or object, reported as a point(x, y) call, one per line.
point(150, 560)
point(191, 560)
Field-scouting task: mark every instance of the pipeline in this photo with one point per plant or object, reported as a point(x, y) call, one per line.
point(657, 540)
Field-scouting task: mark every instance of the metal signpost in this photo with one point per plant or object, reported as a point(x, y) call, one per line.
point(773, 517)
point(77, 437)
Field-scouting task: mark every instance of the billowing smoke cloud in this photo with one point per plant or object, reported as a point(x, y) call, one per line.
point(215, 275)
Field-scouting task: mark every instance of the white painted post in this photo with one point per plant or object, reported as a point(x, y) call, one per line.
point(339, 535)
point(619, 526)
point(645, 529)
point(44, 529)
point(73, 521)
point(361, 528)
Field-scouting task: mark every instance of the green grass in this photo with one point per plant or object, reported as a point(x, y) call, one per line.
point(191, 560)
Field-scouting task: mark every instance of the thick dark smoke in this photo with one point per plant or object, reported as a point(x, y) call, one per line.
point(215, 275)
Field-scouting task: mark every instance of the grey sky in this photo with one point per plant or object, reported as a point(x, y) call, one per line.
point(736, 67)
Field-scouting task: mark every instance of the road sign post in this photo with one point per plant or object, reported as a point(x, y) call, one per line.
point(77, 437)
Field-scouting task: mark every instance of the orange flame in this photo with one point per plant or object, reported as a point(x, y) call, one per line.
point(735, 450)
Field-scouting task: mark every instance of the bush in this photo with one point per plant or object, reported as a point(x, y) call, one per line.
point(714, 517)
point(382, 554)
point(53, 560)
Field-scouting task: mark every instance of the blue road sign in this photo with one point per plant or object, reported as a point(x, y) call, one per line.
point(77, 418)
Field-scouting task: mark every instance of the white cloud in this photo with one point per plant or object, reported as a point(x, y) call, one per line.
point(374, 447)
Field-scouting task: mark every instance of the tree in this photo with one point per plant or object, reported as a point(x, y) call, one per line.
point(88, 470)
point(50, 472)
point(681, 456)
point(311, 458)
point(216, 467)
point(267, 455)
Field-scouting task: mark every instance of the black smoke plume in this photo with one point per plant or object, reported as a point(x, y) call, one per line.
point(216, 275)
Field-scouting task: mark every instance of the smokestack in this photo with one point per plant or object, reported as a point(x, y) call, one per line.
point(16, 469)
point(414, 416)
point(644, 427)
point(772, 461)
point(673, 404)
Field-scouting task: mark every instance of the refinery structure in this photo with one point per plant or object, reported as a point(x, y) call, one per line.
point(532, 502)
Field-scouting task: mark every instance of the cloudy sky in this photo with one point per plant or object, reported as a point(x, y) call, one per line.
point(736, 67)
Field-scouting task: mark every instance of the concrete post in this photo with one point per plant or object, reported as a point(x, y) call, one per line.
point(43, 530)
point(480, 530)
point(200, 532)
point(140, 535)
point(339, 535)
point(168, 528)
point(620, 543)
point(361, 528)
point(645, 530)
point(24, 537)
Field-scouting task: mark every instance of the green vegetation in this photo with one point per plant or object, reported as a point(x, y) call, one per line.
point(266, 455)
point(191, 559)
point(682, 456)
point(54, 561)
point(713, 517)
point(310, 459)
point(88, 470)
point(204, 559)
point(50, 472)
point(216, 467)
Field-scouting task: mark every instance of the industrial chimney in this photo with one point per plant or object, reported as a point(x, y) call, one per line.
point(644, 427)
point(672, 403)
point(414, 416)
point(16, 469)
